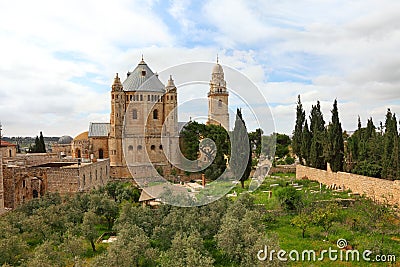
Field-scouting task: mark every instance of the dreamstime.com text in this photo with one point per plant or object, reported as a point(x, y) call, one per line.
point(331, 254)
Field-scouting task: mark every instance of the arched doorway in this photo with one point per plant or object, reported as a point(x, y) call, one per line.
point(35, 193)
point(101, 153)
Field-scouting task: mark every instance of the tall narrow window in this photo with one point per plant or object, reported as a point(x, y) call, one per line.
point(101, 153)
point(220, 103)
point(155, 114)
point(134, 114)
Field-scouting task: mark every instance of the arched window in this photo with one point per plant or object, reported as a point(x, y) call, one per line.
point(220, 103)
point(134, 114)
point(139, 147)
point(78, 153)
point(10, 153)
point(155, 114)
point(130, 148)
point(101, 153)
point(153, 147)
point(160, 147)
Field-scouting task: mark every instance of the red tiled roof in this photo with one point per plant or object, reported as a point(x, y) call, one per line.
point(5, 143)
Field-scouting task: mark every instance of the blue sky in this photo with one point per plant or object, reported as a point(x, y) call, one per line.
point(58, 58)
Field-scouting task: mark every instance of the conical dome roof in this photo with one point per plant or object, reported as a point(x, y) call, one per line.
point(142, 78)
point(217, 69)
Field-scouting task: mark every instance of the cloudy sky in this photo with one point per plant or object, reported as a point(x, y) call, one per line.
point(58, 58)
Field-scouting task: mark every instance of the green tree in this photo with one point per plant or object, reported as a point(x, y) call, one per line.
point(132, 248)
point(236, 237)
point(306, 143)
point(186, 250)
point(302, 221)
point(190, 139)
point(46, 255)
point(390, 159)
point(335, 144)
point(297, 139)
point(42, 145)
point(104, 207)
point(282, 145)
point(221, 139)
point(241, 151)
point(317, 129)
point(88, 228)
point(255, 141)
point(288, 197)
point(326, 216)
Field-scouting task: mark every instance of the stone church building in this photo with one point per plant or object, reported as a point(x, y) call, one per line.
point(142, 135)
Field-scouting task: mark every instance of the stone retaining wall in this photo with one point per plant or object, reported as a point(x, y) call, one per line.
point(375, 188)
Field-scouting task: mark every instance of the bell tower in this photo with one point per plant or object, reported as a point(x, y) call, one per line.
point(117, 122)
point(218, 98)
point(170, 131)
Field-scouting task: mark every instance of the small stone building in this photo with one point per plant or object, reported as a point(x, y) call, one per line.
point(7, 149)
point(63, 146)
point(24, 179)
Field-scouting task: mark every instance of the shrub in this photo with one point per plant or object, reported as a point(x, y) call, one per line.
point(289, 198)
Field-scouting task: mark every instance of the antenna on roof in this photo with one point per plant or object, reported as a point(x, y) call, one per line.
point(142, 57)
point(217, 58)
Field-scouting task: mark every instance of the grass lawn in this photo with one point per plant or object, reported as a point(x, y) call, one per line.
point(351, 226)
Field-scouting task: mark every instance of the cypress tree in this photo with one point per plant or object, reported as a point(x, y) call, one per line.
point(335, 141)
point(306, 143)
point(42, 148)
point(298, 130)
point(388, 145)
point(36, 147)
point(241, 149)
point(317, 128)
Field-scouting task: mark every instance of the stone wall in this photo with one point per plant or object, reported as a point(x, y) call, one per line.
point(31, 159)
point(22, 183)
point(378, 189)
point(71, 179)
point(1, 187)
point(282, 169)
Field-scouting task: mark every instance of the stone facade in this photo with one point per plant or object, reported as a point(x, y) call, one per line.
point(25, 182)
point(7, 150)
point(143, 134)
point(218, 99)
point(379, 189)
point(63, 150)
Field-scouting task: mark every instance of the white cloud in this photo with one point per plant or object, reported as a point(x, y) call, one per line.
point(59, 57)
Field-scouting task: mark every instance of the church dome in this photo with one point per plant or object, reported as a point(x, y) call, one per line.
point(82, 136)
point(65, 140)
point(142, 78)
point(217, 69)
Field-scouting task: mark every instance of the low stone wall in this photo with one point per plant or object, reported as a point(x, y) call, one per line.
point(282, 169)
point(22, 183)
point(375, 188)
point(71, 179)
